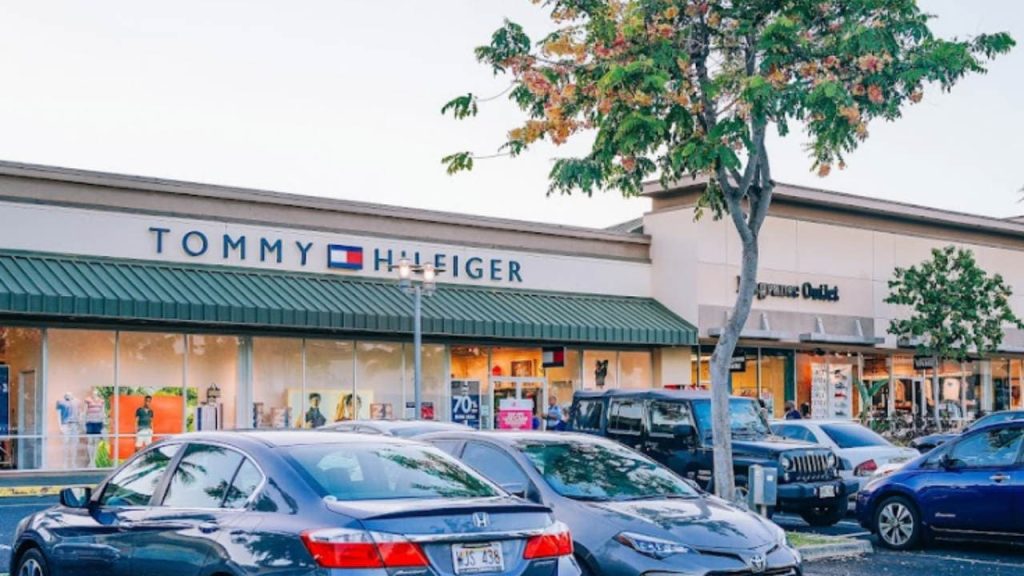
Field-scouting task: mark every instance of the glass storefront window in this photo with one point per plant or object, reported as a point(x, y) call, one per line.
point(329, 380)
point(599, 369)
point(433, 399)
point(213, 369)
point(378, 384)
point(825, 384)
point(1016, 384)
point(81, 366)
point(469, 383)
point(21, 399)
point(277, 383)
point(149, 401)
point(563, 381)
point(875, 385)
point(635, 370)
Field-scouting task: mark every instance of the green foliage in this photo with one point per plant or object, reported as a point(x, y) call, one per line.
point(955, 308)
point(104, 456)
point(868, 391)
point(687, 88)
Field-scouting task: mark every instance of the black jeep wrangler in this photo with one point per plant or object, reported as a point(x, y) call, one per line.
point(674, 428)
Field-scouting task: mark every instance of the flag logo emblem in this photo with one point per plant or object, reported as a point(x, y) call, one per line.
point(344, 257)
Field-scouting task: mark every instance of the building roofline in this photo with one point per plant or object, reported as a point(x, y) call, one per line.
point(810, 196)
point(259, 196)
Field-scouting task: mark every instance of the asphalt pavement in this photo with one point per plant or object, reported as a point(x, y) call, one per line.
point(940, 559)
point(943, 559)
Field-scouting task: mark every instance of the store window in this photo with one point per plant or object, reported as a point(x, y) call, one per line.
point(149, 402)
point(81, 366)
point(469, 386)
point(330, 379)
point(774, 364)
point(213, 372)
point(874, 390)
point(433, 397)
point(563, 381)
point(277, 383)
point(378, 384)
point(600, 369)
point(22, 405)
point(635, 370)
point(825, 384)
point(1002, 384)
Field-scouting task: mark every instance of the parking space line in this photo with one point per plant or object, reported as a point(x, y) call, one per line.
point(969, 560)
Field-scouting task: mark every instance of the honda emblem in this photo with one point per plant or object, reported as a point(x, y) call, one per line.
point(481, 519)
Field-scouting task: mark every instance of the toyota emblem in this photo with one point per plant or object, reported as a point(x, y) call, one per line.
point(482, 520)
point(757, 563)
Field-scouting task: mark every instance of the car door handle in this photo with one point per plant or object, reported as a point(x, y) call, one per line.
point(208, 527)
point(999, 478)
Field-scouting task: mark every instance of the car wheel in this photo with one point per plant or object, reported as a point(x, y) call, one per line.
point(32, 563)
point(584, 569)
point(897, 524)
point(826, 515)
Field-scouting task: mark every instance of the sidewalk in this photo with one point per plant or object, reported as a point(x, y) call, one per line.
point(22, 484)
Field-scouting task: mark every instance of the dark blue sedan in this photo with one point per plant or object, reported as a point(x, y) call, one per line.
point(969, 488)
point(629, 515)
point(292, 503)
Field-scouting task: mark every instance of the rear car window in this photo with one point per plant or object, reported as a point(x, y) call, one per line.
point(588, 415)
point(386, 472)
point(626, 417)
point(853, 436)
point(203, 477)
point(136, 483)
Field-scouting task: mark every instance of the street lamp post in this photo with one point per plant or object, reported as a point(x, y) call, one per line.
point(417, 280)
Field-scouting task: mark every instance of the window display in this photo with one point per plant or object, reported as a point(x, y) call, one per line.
point(635, 370)
point(212, 381)
point(378, 381)
point(600, 369)
point(433, 391)
point(81, 365)
point(22, 418)
point(149, 365)
point(277, 383)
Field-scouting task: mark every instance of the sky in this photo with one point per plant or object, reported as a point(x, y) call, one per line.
point(342, 98)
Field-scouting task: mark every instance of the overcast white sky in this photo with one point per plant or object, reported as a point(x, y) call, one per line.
point(341, 98)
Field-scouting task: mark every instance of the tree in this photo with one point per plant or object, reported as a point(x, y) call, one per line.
point(956, 309)
point(689, 88)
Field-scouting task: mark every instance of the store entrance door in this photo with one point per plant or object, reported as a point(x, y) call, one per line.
point(516, 401)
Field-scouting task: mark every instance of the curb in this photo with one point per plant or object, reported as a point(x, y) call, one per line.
point(845, 549)
point(28, 491)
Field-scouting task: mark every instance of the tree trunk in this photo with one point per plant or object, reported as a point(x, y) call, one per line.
point(724, 477)
point(937, 393)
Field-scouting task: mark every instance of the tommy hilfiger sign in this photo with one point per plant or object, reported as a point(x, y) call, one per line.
point(807, 291)
point(238, 248)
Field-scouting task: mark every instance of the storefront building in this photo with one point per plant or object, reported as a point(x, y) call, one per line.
point(817, 333)
point(133, 308)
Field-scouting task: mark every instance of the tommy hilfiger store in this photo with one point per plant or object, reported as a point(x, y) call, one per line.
point(136, 308)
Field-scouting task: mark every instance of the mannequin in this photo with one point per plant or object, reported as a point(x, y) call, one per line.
point(144, 423)
point(68, 413)
point(94, 416)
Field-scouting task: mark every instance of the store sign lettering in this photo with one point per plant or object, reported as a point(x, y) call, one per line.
point(807, 291)
point(242, 248)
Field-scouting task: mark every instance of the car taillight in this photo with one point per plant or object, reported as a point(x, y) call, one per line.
point(553, 542)
point(344, 548)
point(865, 468)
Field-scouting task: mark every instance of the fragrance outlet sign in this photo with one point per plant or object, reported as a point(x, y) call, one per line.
point(89, 232)
point(806, 291)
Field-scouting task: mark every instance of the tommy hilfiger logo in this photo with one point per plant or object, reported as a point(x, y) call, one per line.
point(345, 257)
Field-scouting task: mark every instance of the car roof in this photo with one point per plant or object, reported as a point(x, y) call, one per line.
point(397, 424)
point(654, 394)
point(814, 421)
point(285, 438)
point(509, 437)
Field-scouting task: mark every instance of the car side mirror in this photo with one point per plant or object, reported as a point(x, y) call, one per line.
point(517, 489)
point(75, 497)
point(685, 432)
point(948, 463)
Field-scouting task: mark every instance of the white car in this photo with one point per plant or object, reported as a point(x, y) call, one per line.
point(861, 451)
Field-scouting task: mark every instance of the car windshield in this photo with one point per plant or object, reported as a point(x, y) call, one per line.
point(853, 436)
point(386, 472)
point(995, 419)
point(587, 470)
point(745, 418)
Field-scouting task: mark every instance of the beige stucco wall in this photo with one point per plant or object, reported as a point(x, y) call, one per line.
point(695, 265)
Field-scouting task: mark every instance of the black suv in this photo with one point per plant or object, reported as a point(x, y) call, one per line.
point(674, 428)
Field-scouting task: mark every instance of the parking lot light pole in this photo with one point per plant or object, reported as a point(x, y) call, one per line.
point(417, 280)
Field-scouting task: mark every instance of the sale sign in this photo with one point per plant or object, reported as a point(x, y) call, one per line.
point(515, 414)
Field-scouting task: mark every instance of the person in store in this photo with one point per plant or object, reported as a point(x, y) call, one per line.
point(68, 414)
point(314, 417)
point(144, 423)
point(805, 411)
point(554, 414)
point(95, 414)
point(791, 412)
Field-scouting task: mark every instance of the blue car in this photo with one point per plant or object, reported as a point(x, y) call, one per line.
point(969, 488)
point(629, 515)
point(292, 503)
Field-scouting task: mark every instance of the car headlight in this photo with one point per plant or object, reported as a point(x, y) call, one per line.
point(651, 546)
point(831, 459)
point(785, 462)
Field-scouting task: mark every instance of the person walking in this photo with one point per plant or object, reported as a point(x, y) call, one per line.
point(791, 412)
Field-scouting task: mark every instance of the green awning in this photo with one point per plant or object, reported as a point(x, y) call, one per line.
point(78, 288)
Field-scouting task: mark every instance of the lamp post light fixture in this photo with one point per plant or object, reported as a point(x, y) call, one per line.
point(417, 280)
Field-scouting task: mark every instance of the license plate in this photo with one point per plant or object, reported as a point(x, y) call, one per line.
point(477, 558)
point(826, 492)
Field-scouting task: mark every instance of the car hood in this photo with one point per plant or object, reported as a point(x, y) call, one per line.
point(934, 439)
point(769, 445)
point(880, 454)
point(703, 523)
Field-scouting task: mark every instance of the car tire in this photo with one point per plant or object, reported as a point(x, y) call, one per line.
point(897, 524)
point(584, 569)
point(32, 563)
point(829, 515)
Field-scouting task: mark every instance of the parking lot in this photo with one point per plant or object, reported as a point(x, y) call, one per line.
point(944, 559)
point(947, 559)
